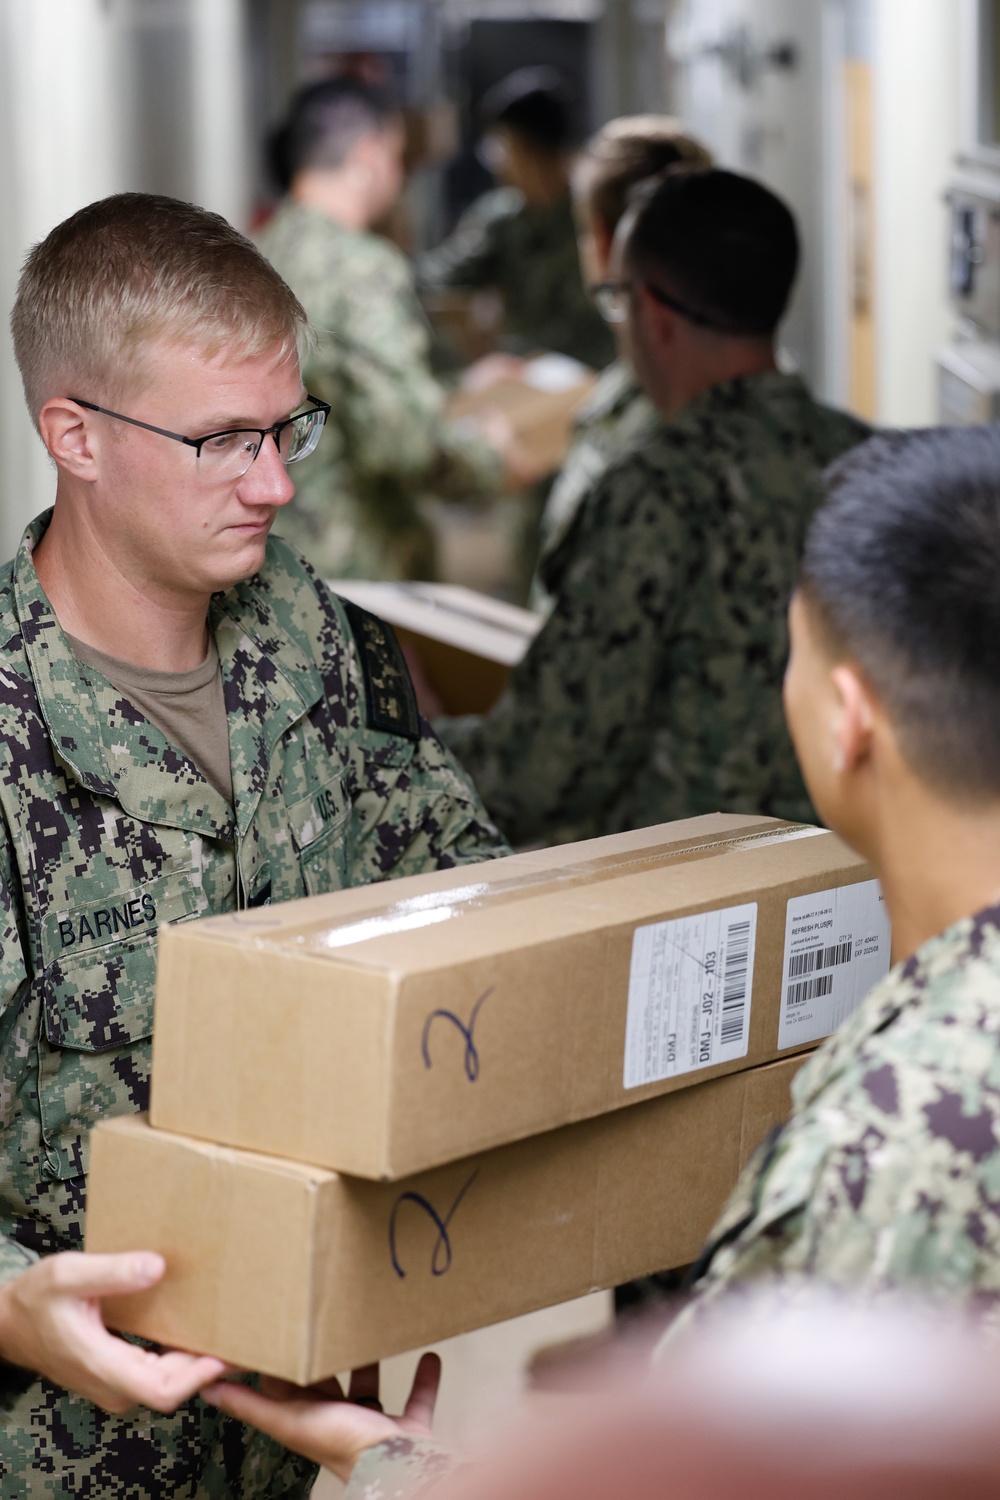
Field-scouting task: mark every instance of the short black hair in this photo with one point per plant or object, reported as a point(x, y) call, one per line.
point(723, 244)
point(902, 569)
point(533, 102)
point(323, 123)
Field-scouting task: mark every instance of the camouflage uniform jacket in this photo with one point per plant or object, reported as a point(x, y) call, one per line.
point(530, 255)
point(885, 1178)
point(108, 830)
point(653, 691)
point(386, 443)
point(617, 416)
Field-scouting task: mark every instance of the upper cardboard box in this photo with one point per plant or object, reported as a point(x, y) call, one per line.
point(386, 1029)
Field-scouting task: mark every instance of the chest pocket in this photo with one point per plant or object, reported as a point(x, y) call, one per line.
point(97, 990)
point(320, 828)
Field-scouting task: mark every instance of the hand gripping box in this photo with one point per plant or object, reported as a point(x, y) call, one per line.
point(298, 1272)
point(383, 1030)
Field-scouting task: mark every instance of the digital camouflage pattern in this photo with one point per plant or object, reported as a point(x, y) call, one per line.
point(530, 255)
point(888, 1174)
point(386, 444)
point(397, 1469)
point(616, 416)
point(108, 831)
point(653, 691)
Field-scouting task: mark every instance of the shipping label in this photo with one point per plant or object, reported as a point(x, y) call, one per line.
point(689, 992)
point(836, 949)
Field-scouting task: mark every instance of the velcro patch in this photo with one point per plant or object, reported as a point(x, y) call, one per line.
point(392, 703)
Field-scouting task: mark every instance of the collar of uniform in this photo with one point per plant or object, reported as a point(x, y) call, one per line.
point(106, 751)
point(769, 388)
point(271, 681)
point(907, 987)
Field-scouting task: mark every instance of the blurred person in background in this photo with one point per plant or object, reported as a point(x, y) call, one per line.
point(618, 414)
point(884, 1179)
point(653, 691)
point(521, 237)
point(387, 443)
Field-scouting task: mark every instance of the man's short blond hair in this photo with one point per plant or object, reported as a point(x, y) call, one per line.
point(625, 152)
point(131, 269)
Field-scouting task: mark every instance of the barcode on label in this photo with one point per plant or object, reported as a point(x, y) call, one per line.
point(819, 958)
point(734, 981)
point(809, 989)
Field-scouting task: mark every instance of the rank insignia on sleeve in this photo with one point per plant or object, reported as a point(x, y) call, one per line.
point(392, 704)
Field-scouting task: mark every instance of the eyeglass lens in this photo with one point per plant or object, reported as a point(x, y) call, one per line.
point(230, 454)
point(612, 303)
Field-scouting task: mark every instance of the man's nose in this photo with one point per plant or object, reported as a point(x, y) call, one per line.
point(266, 482)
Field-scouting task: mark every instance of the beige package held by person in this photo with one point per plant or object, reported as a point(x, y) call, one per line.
point(298, 1272)
point(383, 1030)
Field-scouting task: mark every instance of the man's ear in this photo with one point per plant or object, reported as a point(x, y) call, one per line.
point(854, 719)
point(67, 432)
point(660, 321)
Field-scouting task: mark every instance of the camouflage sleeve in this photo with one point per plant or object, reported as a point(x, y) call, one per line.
point(884, 1180)
point(424, 815)
point(374, 348)
point(397, 1469)
point(574, 719)
point(415, 807)
point(13, 979)
point(471, 255)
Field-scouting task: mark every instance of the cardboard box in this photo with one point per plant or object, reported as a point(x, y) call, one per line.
point(540, 406)
point(298, 1272)
point(385, 1029)
point(467, 642)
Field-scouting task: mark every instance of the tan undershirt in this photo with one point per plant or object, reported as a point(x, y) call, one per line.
point(188, 707)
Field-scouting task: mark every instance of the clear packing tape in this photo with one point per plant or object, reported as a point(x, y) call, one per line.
point(414, 912)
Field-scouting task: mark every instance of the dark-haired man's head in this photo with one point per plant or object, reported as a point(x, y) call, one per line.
point(708, 259)
point(894, 677)
point(529, 132)
point(343, 143)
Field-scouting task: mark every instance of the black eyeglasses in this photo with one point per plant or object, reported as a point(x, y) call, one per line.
point(228, 455)
point(611, 298)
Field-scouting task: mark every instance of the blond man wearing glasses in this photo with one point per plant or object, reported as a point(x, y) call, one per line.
point(190, 723)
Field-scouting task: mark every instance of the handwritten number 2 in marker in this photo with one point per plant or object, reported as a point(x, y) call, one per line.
point(468, 1032)
point(441, 1256)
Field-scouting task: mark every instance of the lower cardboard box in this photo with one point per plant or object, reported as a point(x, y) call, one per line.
point(300, 1272)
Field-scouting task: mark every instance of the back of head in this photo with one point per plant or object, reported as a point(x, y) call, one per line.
point(724, 245)
point(624, 153)
point(533, 103)
point(324, 122)
point(136, 268)
point(901, 568)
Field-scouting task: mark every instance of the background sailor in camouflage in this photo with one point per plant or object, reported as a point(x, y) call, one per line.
point(654, 689)
point(387, 443)
point(617, 415)
point(110, 828)
point(521, 238)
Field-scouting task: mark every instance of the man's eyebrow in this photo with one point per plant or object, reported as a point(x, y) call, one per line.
point(239, 423)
